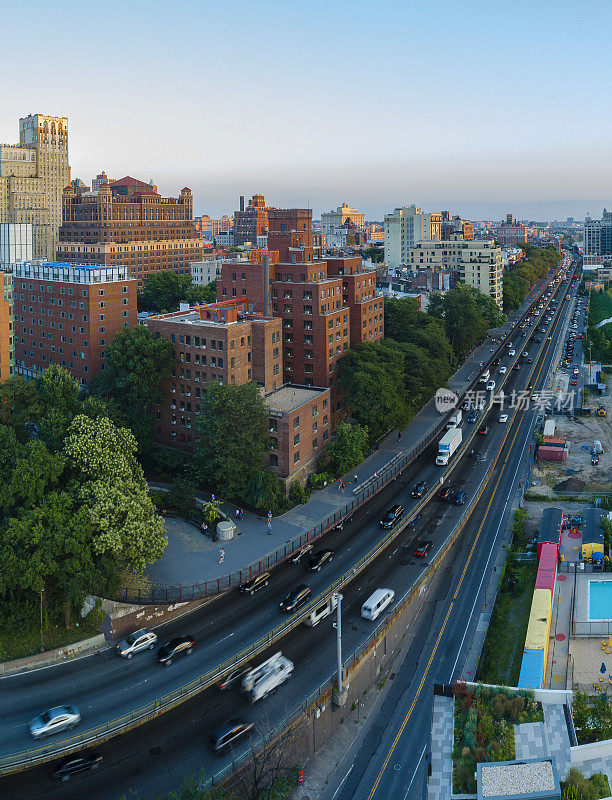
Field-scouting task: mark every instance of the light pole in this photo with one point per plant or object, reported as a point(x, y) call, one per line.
point(338, 597)
point(42, 648)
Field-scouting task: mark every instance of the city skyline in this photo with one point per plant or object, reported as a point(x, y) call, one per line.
point(470, 109)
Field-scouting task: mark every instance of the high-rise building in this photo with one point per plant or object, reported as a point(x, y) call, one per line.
point(213, 227)
point(252, 221)
point(7, 339)
point(289, 228)
point(15, 242)
point(455, 226)
point(477, 262)
point(33, 175)
point(99, 180)
point(128, 222)
point(405, 226)
point(598, 239)
point(330, 220)
point(510, 232)
point(67, 314)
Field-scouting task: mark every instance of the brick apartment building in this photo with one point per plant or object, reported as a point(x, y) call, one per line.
point(128, 222)
point(289, 228)
point(67, 314)
point(510, 232)
point(326, 307)
point(7, 340)
point(224, 342)
point(252, 221)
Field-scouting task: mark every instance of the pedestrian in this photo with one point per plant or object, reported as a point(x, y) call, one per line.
point(342, 486)
point(355, 478)
point(399, 436)
point(237, 513)
point(221, 556)
point(212, 498)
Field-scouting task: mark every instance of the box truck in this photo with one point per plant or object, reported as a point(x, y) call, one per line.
point(259, 682)
point(455, 419)
point(447, 445)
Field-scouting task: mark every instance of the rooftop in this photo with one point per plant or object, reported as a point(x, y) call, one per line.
point(530, 778)
point(289, 397)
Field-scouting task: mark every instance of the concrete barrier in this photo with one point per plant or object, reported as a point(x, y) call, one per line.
point(52, 656)
point(588, 752)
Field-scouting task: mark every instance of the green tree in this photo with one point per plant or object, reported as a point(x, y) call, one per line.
point(20, 405)
point(182, 496)
point(211, 511)
point(349, 447)
point(264, 491)
point(375, 254)
point(163, 291)
point(581, 713)
point(464, 321)
point(95, 449)
point(232, 430)
point(200, 295)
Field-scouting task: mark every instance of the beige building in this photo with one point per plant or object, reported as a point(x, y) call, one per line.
point(33, 175)
point(478, 263)
point(403, 228)
point(331, 220)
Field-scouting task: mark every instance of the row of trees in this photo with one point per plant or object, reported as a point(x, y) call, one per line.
point(522, 276)
point(74, 504)
point(163, 291)
point(386, 383)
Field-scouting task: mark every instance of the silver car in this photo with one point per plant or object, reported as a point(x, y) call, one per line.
point(55, 720)
point(136, 642)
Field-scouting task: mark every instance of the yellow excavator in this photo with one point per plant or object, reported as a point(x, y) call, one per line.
point(601, 411)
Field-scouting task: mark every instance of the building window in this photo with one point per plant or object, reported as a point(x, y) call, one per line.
point(296, 456)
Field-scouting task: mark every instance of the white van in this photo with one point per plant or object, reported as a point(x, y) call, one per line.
point(485, 376)
point(597, 448)
point(321, 612)
point(376, 603)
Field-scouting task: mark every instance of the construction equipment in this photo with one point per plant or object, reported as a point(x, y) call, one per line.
point(601, 411)
point(260, 681)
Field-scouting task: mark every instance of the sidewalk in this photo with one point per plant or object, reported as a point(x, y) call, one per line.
point(191, 558)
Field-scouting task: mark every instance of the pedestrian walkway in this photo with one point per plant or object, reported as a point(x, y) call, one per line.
point(530, 740)
point(558, 737)
point(190, 559)
point(558, 673)
point(440, 782)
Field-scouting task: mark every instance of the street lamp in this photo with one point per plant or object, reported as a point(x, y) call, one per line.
point(42, 648)
point(338, 597)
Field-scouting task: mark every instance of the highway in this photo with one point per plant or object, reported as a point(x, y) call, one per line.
point(105, 685)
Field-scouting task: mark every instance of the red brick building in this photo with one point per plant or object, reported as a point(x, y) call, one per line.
point(289, 228)
point(252, 221)
point(67, 314)
point(128, 222)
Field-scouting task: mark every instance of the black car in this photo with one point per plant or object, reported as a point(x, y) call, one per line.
point(176, 648)
point(296, 598)
point(228, 735)
point(233, 677)
point(422, 549)
point(484, 430)
point(516, 366)
point(75, 765)
point(460, 497)
point(254, 584)
point(444, 494)
point(317, 560)
point(420, 489)
point(392, 515)
point(303, 551)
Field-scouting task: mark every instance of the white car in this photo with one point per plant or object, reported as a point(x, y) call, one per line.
point(503, 370)
point(490, 386)
point(511, 352)
point(503, 418)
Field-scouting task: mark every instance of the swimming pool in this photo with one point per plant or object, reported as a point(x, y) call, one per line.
point(600, 599)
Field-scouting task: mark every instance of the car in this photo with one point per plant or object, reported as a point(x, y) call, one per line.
point(516, 366)
point(535, 396)
point(508, 344)
point(422, 549)
point(136, 642)
point(530, 360)
point(391, 516)
point(319, 559)
point(496, 362)
point(594, 459)
point(76, 764)
point(303, 551)
point(420, 489)
point(490, 386)
point(54, 720)
point(538, 339)
point(232, 678)
point(503, 370)
point(473, 416)
point(511, 352)
point(255, 584)
point(580, 336)
point(444, 494)
point(503, 418)
point(228, 735)
point(296, 598)
point(414, 520)
point(460, 498)
point(574, 382)
point(176, 648)
point(484, 430)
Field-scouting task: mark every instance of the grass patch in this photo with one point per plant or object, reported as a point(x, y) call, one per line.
point(600, 306)
point(27, 642)
point(500, 662)
point(484, 729)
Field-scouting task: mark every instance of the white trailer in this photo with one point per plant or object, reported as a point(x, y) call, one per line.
point(447, 445)
point(260, 681)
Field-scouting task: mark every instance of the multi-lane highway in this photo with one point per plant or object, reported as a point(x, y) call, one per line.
point(104, 686)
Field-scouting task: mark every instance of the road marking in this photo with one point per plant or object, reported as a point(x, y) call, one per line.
point(450, 608)
point(414, 773)
point(342, 782)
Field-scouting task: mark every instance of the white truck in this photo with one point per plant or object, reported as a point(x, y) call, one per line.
point(455, 419)
point(447, 445)
point(260, 681)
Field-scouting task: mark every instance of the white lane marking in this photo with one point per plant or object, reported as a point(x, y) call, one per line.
point(226, 637)
point(414, 773)
point(342, 782)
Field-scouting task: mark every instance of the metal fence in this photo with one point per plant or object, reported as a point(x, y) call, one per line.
point(172, 593)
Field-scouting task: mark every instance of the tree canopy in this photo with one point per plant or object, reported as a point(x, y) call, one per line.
point(162, 292)
point(522, 276)
point(467, 314)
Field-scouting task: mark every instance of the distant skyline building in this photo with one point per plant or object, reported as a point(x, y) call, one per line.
point(99, 180)
point(33, 175)
point(16, 242)
point(78, 310)
point(213, 227)
point(330, 220)
point(511, 232)
point(598, 239)
point(250, 222)
point(128, 222)
point(404, 227)
point(7, 323)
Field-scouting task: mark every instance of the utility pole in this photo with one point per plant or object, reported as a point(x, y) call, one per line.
point(42, 647)
point(338, 597)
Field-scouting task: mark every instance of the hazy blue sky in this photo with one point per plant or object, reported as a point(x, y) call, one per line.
point(479, 107)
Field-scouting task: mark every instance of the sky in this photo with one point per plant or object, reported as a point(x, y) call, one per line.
point(480, 108)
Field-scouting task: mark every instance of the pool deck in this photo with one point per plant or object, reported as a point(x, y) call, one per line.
point(582, 609)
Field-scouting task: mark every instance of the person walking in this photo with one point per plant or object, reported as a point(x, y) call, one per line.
point(221, 556)
point(399, 436)
point(355, 478)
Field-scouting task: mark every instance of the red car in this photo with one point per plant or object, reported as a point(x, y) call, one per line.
point(574, 382)
point(422, 549)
